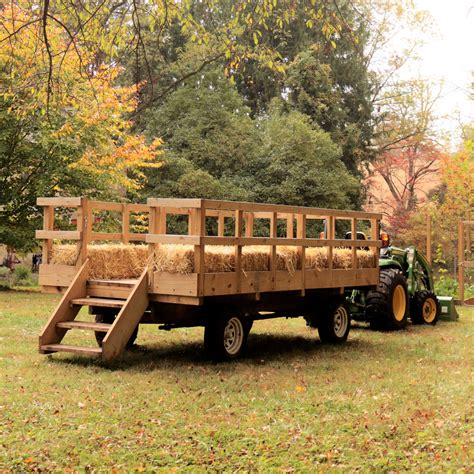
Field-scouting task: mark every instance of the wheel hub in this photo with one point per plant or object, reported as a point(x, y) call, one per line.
point(429, 310)
point(399, 303)
point(233, 336)
point(341, 320)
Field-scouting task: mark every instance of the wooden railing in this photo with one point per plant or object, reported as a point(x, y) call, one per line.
point(84, 234)
point(244, 216)
point(285, 226)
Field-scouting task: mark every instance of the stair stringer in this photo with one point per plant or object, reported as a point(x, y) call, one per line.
point(127, 319)
point(64, 311)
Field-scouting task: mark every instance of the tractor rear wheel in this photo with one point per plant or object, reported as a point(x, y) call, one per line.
point(387, 306)
point(425, 308)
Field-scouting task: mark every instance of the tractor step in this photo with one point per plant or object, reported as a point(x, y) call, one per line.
point(94, 351)
point(110, 288)
point(104, 302)
point(97, 327)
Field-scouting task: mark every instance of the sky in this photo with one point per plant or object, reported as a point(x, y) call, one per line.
point(450, 57)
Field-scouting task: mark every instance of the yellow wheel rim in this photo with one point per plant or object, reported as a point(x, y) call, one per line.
point(429, 310)
point(399, 303)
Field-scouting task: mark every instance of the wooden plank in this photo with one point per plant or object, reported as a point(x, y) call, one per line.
point(48, 225)
point(103, 302)
point(375, 236)
point(249, 223)
point(138, 208)
point(93, 351)
point(97, 327)
point(59, 234)
point(56, 275)
point(309, 242)
point(106, 206)
point(175, 284)
point(127, 283)
point(136, 237)
point(301, 235)
point(127, 319)
point(64, 311)
point(290, 231)
point(174, 203)
point(104, 291)
point(186, 300)
point(239, 223)
point(468, 264)
point(59, 201)
point(126, 224)
point(106, 236)
point(428, 238)
point(220, 224)
point(173, 239)
point(256, 207)
point(198, 221)
point(273, 249)
point(354, 248)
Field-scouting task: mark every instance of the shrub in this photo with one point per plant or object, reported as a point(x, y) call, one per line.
point(22, 273)
point(6, 278)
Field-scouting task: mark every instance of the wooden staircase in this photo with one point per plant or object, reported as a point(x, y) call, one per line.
point(130, 296)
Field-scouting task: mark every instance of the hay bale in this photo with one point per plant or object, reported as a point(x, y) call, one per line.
point(120, 261)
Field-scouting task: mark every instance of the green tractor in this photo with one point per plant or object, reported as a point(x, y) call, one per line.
point(405, 290)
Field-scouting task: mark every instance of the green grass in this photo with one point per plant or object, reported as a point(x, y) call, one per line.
point(382, 402)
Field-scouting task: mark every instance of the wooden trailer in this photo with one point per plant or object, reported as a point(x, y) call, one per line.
point(225, 303)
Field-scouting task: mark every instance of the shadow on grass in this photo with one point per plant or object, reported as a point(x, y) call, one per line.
point(261, 348)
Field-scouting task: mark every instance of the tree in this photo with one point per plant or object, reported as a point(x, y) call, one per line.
point(78, 142)
point(301, 165)
point(408, 152)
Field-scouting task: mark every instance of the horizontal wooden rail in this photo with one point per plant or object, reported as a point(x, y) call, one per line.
point(59, 234)
point(254, 207)
point(242, 241)
point(59, 201)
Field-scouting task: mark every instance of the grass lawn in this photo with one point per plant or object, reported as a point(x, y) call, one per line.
point(381, 402)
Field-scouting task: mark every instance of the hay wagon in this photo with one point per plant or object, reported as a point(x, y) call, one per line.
point(232, 263)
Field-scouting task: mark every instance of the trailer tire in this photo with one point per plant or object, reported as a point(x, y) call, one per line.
point(387, 306)
point(109, 319)
point(225, 337)
point(425, 308)
point(335, 324)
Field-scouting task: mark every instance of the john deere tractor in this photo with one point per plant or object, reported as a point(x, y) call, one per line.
point(405, 290)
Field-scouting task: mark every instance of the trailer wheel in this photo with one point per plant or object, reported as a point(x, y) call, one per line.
point(225, 338)
point(425, 308)
point(335, 324)
point(387, 306)
point(109, 319)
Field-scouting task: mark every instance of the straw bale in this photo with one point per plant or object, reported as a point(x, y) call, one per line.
point(121, 261)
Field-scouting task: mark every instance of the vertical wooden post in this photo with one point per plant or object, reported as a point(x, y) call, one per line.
point(125, 223)
point(198, 227)
point(48, 224)
point(301, 234)
point(153, 228)
point(461, 262)
point(273, 250)
point(239, 220)
point(375, 235)
point(331, 235)
point(84, 225)
point(249, 219)
point(354, 247)
point(220, 224)
point(290, 226)
point(428, 237)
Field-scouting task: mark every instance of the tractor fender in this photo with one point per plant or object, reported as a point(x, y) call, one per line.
point(389, 263)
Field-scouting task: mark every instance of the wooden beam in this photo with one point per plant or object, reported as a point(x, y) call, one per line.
point(174, 203)
point(428, 237)
point(59, 201)
point(354, 237)
point(125, 223)
point(58, 234)
point(301, 235)
point(173, 239)
point(48, 225)
point(239, 222)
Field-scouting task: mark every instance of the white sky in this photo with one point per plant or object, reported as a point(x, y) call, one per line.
point(450, 57)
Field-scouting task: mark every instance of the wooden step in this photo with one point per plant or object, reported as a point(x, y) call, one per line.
point(129, 283)
point(105, 302)
point(97, 327)
point(95, 351)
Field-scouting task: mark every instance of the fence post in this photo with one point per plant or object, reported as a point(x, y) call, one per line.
point(48, 224)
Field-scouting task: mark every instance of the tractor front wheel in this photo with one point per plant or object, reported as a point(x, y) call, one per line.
point(387, 306)
point(425, 308)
